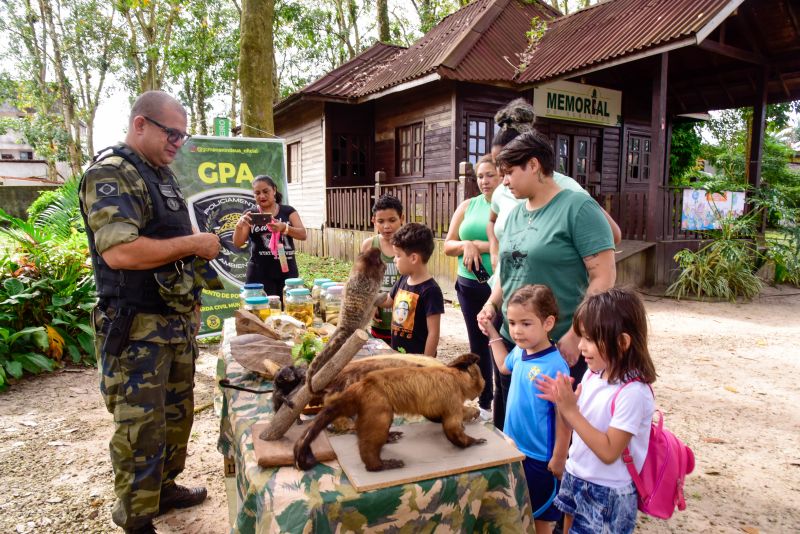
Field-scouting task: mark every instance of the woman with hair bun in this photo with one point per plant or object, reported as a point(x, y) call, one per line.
point(271, 243)
point(514, 119)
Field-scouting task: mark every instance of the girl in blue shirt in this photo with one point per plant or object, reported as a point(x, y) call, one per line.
point(530, 421)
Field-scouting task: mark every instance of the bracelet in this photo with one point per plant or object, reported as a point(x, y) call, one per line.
point(286, 230)
point(495, 339)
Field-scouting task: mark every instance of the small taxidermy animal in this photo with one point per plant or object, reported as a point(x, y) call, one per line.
point(358, 304)
point(287, 379)
point(437, 393)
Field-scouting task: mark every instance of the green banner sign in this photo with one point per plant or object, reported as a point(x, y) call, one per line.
point(222, 127)
point(216, 176)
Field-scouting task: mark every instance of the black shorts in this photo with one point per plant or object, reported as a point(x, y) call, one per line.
point(543, 488)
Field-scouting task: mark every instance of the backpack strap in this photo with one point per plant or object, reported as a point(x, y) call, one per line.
point(627, 459)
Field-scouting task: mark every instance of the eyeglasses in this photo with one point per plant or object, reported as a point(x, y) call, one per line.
point(173, 135)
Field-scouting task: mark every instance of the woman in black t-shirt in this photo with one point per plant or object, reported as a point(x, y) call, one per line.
point(265, 264)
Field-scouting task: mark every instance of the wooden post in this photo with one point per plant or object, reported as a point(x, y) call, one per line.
point(465, 172)
point(380, 176)
point(757, 139)
point(658, 145)
point(286, 416)
point(757, 132)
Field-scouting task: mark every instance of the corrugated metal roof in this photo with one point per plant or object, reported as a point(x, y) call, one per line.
point(616, 28)
point(347, 80)
point(485, 40)
point(495, 56)
point(425, 55)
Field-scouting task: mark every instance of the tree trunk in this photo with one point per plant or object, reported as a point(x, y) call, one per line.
point(255, 69)
point(276, 81)
point(382, 6)
point(234, 114)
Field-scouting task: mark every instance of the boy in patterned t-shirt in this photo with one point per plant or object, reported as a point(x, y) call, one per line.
point(387, 216)
point(416, 300)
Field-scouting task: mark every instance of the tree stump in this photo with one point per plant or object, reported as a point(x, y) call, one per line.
point(286, 416)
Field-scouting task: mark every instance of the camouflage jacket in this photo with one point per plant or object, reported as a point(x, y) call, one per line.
point(119, 217)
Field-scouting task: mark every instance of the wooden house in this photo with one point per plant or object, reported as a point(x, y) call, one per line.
point(607, 83)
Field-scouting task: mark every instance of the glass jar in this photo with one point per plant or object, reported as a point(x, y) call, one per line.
point(298, 304)
point(258, 306)
point(291, 283)
point(275, 304)
point(316, 292)
point(331, 303)
point(251, 290)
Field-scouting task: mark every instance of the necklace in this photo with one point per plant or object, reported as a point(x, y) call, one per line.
point(531, 215)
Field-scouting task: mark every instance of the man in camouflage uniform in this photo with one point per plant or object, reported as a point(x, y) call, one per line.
point(149, 266)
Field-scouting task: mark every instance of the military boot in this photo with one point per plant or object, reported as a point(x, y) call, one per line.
point(175, 496)
point(149, 528)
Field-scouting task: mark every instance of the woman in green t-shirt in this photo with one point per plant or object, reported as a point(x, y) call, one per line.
point(557, 237)
point(467, 239)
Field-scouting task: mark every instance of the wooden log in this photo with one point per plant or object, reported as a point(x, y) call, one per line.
point(286, 416)
point(249, 323)
point(271, 367)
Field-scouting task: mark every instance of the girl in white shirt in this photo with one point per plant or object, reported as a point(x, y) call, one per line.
point(597, 493)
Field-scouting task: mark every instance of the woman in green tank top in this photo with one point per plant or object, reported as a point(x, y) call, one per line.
point(467, 239)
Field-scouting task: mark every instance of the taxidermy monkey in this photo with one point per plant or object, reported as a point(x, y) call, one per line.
point(437, 393)
point(286, 381)
point(358, 304)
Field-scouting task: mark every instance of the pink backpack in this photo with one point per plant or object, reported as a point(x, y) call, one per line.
point(668, 461)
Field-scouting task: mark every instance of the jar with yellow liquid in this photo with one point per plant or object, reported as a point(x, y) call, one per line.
point(288, 285)
point(251, 290)
point(258, 306)
point(331, 303)
point(316, 292)
point(275, 304)
point(299, 305)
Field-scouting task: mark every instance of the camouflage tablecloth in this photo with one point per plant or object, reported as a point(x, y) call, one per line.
point(322, 500)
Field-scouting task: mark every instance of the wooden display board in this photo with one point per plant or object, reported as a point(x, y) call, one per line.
point(280, 452)
point(427, 454)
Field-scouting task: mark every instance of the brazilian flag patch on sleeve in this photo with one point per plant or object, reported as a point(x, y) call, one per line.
point(107, 189)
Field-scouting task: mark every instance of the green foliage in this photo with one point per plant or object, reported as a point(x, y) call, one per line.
point(48, 290)
point(537, 31)
point(309, 346)
point(311, 267)
point(724, 267)
point(685, 148)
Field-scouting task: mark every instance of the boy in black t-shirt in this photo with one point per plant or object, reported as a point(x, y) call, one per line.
point(416, 300)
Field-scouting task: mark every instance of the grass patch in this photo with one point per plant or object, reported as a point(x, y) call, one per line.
point(311, 267)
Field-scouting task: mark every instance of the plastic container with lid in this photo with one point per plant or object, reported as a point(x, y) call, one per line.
point(298, 304)
point(291, 283)
point(331, 303)
point(251, 290)
point(259, 306)
point(316, 292)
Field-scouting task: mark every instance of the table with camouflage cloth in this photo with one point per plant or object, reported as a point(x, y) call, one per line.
point(322, 500)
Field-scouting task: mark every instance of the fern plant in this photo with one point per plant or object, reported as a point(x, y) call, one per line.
point(724, 268)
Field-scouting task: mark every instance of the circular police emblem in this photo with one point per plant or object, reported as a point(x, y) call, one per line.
point(213, 322)
point(173, 204)
point(217, 211)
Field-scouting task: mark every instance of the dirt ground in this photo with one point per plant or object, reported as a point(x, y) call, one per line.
point(726, 386)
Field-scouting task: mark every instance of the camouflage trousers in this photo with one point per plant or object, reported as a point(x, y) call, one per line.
point(149, 390)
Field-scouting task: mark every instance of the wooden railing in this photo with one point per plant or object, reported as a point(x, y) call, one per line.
point(629, 209)
point(350, 208)
point(673, 210)
point(430, 202)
